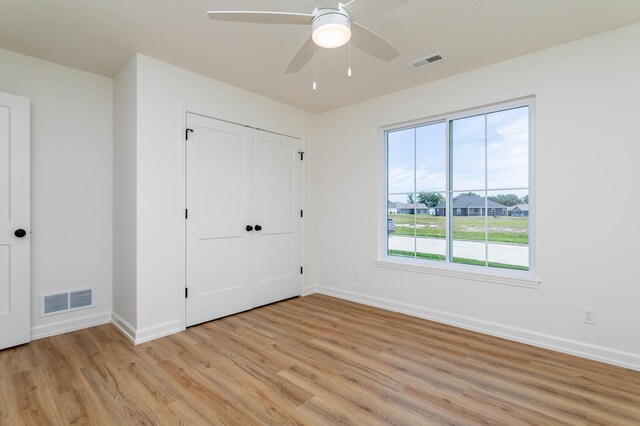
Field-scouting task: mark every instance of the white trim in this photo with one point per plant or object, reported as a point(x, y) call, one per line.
point(158, 331)
point(66, 326)
point(423, 267)
point(532, 185)
point(307, 291)
point(303, 220)
point(124, 327)
point(182, 230)
point(145, 334)
point(559, 344)
point(383, 195)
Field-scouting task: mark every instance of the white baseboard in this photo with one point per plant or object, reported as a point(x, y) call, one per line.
point(559, 344)
point(66, 326)
point(309, 290)
point(157, 331)
point(145, 334)
point(124, 327)
point(135, 336)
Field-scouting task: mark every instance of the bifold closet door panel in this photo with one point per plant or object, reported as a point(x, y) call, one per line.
point(277, 205)
point(219, 202)
point(15, 232)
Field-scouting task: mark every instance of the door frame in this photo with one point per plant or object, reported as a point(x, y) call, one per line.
point(182, 158)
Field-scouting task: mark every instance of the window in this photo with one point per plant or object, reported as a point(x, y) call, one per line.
point(444, 175)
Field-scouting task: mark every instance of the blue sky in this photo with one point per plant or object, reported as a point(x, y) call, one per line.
point(507, 153)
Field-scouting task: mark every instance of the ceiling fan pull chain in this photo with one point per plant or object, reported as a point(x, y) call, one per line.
point(349, 69)
point(314, 70)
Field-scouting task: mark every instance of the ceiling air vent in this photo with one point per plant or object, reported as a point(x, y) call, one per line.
point(419, 63)
point(56, 303)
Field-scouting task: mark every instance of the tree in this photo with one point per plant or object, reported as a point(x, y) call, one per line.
point(525, 199)
point(410, 199)
point(506, 199)
point(430, 199)
point(468, 194)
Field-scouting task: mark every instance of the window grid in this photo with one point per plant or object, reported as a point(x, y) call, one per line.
point(449, 190)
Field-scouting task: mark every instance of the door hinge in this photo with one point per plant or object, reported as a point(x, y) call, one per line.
point(301, 213)
point(186, 134)
point(186, 292)
point(301, 270)
point(301, 155)
point(186, 213)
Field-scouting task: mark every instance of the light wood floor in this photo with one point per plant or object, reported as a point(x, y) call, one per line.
point(312, 360)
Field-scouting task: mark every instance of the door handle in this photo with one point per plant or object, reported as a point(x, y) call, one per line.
point(249, 228)
point(20, 233)
point(258, 228)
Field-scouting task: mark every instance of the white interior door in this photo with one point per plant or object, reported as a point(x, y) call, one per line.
point(14, 221)
point(277, 210)
point(219, 205)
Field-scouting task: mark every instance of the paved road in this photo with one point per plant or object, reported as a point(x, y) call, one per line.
point(503, 253)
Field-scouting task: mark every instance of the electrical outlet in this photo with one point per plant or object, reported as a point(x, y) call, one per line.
point(358, 276)
point(589, 316)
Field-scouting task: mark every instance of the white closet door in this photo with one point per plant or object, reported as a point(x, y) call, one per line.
point(14, 221)
point(277, 246)
point(219, 202)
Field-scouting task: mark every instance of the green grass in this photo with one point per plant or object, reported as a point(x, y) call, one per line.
point(440, 257)
point(505, 229)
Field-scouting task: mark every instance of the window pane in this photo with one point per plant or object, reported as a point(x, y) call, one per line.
point(508, 149)
point(508, 230)
point(469, 228)
point(431, 143)
point(401, 163)
point(401, 228)
point(468, 153)
point(431, 226)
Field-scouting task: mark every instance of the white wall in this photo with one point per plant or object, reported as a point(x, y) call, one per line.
point(587, 145)
point(124, 195)
point(165, 92)
point(587, 150)
point(71, 180)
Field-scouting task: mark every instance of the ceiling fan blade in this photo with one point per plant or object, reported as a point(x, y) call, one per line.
point(305, 53)
point(359, 9)
point(365, 39)
point(261, 17)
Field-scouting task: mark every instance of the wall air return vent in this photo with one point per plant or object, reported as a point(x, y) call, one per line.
point(67, 301)
point(430, 59)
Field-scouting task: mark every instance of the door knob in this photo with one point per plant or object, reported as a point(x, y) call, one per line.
point(249, 228)
point(20, 233)
point(258, 228)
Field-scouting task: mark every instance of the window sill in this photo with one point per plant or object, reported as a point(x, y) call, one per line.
point(504, 279)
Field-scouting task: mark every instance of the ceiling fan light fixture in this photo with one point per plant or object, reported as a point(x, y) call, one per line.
point(331, 28)
point(331, 35)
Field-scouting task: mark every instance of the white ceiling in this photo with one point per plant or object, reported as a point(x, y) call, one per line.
point(100, 35)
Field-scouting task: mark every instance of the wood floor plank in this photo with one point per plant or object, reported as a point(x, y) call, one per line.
point(34, 403)
point(315, 360)
point(208, 396)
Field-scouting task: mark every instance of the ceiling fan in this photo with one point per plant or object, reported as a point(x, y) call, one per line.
point(331, 27)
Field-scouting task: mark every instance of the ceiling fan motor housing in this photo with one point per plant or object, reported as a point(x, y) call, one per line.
point(331, 27)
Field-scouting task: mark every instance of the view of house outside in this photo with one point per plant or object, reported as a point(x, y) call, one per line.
point(489, 184)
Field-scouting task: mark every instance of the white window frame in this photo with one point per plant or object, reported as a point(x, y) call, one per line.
point(484, 274)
